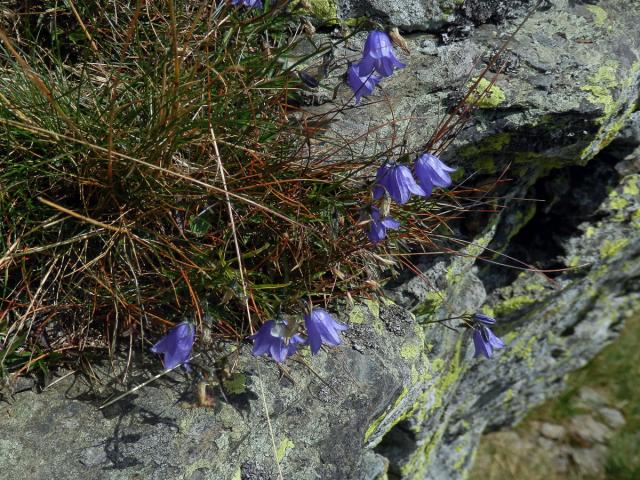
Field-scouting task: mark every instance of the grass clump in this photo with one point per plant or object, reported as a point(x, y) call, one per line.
point(155, 165)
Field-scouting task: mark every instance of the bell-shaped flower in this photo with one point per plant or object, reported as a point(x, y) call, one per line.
point(484, 319)
point(176, 346)
point(432, 172)
point(485, 341)
point(247, 3)
point(398, 181)
point(322, 328)
point(272, 339)
point(362, 85)
point(378, 55)
point(378, 226)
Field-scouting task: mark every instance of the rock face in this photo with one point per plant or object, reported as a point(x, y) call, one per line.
point(404, 398)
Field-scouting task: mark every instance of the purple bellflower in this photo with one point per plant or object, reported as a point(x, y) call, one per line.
point(247, 3)
point(272, 339)
point(398, 181)
point(362, 85)
point(176, 346)
point(432, 172)
point(378, 226)
point(484, 339)
point(378, 55)
point(322, 328)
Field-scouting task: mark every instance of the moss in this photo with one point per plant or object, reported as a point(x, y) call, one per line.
point(611, 247)
point(486, 96)
point(281, 451)
point(600, 16)
point(236, 384)
point(513, 304)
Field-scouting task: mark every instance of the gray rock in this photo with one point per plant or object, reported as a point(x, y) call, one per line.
point(411, 398)
point(590, 398)
point(552, 431)
point(588, 431)
point(612, 417)
point(589, 461)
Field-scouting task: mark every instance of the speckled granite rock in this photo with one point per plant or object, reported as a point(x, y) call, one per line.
point(403, 398)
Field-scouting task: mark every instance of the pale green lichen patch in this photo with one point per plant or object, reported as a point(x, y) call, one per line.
point(324, 10)
point(512, 304)
point(236, 384)
point(356, 315)
point(609, 248)
point(486, 95)
point(378, 421)
point(285, 445)
point(601, 86)
point(600, 15)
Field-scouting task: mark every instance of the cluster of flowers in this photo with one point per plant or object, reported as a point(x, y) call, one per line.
point(276, 338)
point(399, 183)
point(377, 56)
point(279, 340)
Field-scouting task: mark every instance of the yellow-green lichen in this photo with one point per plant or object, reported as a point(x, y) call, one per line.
point(510, 337)
point(484, 151)
point(378, 421)
point(285, 445)
point(618, 203)
point(630, 185)
point(522, 349)
point(508, 395)
point(512, 304)
point(486, 95)
point(610, 247)
point(356, 315)
point(600, 16)
point(324, 10)
point(237, 475)
point(236, 384)
point(601, 86)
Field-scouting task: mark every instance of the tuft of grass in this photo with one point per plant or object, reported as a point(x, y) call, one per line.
point(156, 165)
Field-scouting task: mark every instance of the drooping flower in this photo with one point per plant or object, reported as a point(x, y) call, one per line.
point(398, 181)
point(247, 3)
point(378, 226)
point(362, 85)
point(484, 319)
point(378, 55)
point(432, 172)
point(485, 341)
point(176, 346)
point(322, 328)
point(272, 339)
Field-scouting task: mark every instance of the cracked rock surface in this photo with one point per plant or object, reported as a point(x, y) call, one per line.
point(402, 398)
